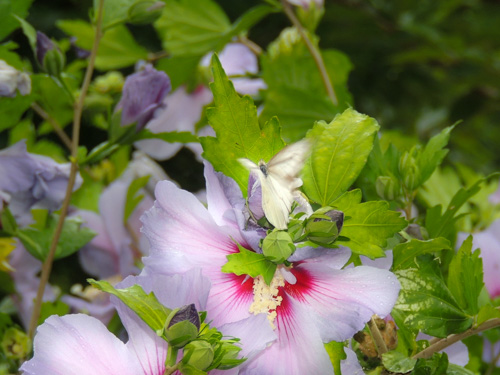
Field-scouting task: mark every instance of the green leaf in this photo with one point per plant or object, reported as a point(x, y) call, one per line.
point(146, 306)
point(133, 199)
point(251, 17)
point(9, 9)
point(487, 312)
point(180, 70)
point(239, 135)
point(171, 137)
point(52, 308)
point(53, 99)
point(193, 27)
point(117, 48)
point(405, 253)
point(278, 246)
point(367, 225)
point(12, 109)
point(433, 154)
point(438, 224)
point(336, 353)
point(8, 221)
point(436, 365)
point(30, 33)
point(429, 305)
point(454, 369)
point(466, 265)
point(87, 197)
point(339, 154)
point(247, 262)
point(295, 89)
point(114, 11)
point(38, 237)
point(398, 362)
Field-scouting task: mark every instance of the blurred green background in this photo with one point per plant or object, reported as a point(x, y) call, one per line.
point(418, 65)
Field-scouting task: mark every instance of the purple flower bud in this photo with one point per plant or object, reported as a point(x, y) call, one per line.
point(43, 45)
point(187, 312)
point(143, 94)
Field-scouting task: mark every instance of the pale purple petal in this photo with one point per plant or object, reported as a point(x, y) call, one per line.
point(16, 163)
point(182, 235)
point(491, 351)
point(100, 307)
point(350, 365)
point(182, 113)
point(299, 349)
point(78, 345)
point(306, 3)
point(254, 332)
point(384, 263)
point(347, 297)
point(223, 193)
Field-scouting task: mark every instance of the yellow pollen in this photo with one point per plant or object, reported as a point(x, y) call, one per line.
point(265, 297)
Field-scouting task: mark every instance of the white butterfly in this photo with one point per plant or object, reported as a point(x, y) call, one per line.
point(278, 180)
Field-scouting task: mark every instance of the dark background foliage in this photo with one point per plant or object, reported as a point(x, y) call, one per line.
point(418, 66)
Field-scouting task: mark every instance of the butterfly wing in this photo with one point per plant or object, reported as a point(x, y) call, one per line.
point(276, 201)
point(286, 164)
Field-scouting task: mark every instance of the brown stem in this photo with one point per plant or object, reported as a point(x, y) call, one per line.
point(77, 117)
point(157, 55)
point(52, 121)
point(313, 50)
point(377, 337)
point(440, 344)
point(254, 47)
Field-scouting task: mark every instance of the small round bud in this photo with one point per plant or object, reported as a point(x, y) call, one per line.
point(198, 354)
point(387, 187)
point(15, 343)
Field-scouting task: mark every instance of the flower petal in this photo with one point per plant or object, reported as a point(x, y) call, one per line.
point(346, 297)
point(183, 235)
point(299, 349)
point(78, 345)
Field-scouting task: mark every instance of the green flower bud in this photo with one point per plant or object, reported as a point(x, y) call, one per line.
point(109, 83)
point(15, 343)
point(145, 12)
point(48, 55)
point(323, 227)
point(409, 171)
point(387, 188)
point(278, 246)
point(182, 326)
point(198, 354)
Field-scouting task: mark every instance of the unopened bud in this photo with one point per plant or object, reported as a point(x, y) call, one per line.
point(409, 171)
point(387, 187)
point(324, 227)
point(15, 343)
point(182, 326)
point(198, 354)
point(48, 55)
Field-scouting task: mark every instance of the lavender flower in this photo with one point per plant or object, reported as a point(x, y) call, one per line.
point(312, 302)
point(143, 94)
point(34, 181)
point(80, 345)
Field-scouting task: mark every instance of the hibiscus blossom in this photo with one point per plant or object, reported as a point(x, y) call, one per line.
point(311, 302)
point(81, 345)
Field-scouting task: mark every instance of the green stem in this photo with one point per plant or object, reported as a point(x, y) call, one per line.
point(55, 125)
point(313, 50)
point(440, 344)
point(171, 357)
point(171, 370)
point(77, 117)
